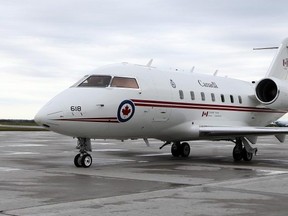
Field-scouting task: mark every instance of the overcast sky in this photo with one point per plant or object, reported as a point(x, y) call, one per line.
point(47, 45)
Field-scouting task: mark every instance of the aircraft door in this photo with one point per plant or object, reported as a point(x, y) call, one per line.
point(161, 110)
point(161, 114)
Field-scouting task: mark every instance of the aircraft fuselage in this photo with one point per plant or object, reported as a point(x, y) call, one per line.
point(164, 105)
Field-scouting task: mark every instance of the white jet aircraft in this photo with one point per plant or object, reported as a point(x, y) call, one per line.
point(125, 101)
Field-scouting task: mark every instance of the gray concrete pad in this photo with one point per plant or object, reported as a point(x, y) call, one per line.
point(38, 177)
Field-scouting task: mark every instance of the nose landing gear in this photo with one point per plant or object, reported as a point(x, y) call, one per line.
point(83, 159)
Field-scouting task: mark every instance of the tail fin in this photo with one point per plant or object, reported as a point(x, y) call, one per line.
point(279, 65)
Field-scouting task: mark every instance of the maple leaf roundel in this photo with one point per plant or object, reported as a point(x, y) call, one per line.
point(125, 111)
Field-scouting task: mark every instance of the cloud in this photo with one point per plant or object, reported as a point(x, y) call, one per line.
point(46, 46)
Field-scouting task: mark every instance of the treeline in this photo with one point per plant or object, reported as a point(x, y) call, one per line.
point(17, 122)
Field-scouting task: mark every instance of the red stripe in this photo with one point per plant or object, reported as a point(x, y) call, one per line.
point(104, 120)
point(167, 104)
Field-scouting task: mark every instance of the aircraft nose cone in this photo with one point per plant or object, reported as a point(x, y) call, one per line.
point(41, 118)
point(46, 116)
point(37, 119)
point(50, 114)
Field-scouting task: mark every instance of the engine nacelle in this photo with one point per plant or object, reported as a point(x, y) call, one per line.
point(272, 92)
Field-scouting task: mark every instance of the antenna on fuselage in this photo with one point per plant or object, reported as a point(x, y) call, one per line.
point(192, 69)
point(149, 63)
point(265, 48)
point(215, 73)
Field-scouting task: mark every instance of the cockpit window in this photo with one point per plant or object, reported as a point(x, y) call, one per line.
point(124, 82)
point(96, 81)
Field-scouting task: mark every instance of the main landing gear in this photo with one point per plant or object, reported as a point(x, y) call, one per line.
point(178, 149)
point(240, 152)
point(83, 159)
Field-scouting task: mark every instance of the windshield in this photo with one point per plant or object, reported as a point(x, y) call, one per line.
point(96, 81)
point(124, 82)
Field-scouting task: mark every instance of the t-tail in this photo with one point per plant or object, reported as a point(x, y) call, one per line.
point(272, 91)
point(279, 65)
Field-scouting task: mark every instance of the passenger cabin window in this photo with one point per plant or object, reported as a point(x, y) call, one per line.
point(96, 81)
point(213, 97)
point(124, 82)
point(181, 94)
point(231, 98)
point(192, 95)
point(240, 99)
point(203, 96)
point(222, 98)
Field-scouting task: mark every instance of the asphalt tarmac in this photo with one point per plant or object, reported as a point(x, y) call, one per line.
point(38, 177)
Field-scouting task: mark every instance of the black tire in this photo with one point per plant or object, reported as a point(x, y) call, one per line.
point(237, 153)
point(176, 149)
point(77, 160)
point(86, 160)
point(185, 149)
point(247, 156)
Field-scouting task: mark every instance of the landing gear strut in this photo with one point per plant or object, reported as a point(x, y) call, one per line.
point(180, 149)
point(237, 150)
point(83, 159)
point(240, 152)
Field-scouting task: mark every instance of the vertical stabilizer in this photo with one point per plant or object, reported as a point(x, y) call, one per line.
point(279, 65)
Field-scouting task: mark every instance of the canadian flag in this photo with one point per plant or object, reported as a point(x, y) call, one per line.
point(285, 62)
point(205, 114)
point(126, 110)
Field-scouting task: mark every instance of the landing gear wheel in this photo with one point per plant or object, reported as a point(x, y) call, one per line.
point(176, 149)
point(83, 159)
point(247, 156)
point(77, 160)
point(185, 149)
point(237, 153)
point(86, 160)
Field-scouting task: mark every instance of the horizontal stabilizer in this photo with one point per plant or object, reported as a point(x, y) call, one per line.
point(264, 48)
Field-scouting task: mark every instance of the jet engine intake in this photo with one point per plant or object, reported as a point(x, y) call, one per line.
point(272, 92)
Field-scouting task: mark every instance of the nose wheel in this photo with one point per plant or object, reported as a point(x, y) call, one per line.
point(83, 159)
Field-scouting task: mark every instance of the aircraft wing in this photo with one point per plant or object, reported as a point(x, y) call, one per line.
point(250, 132)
